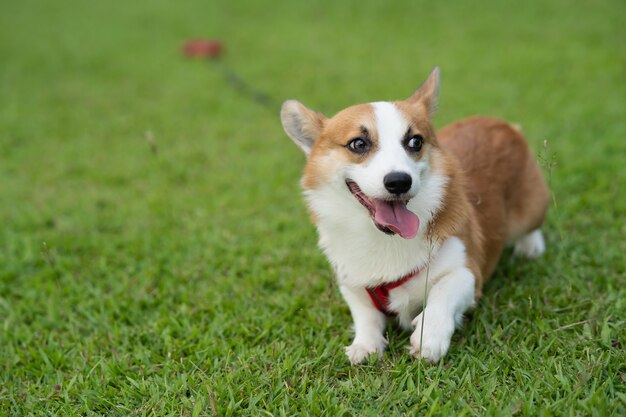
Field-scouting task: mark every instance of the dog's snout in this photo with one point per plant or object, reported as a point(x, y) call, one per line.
point(397, 182)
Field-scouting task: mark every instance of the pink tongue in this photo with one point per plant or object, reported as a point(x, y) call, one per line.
point(395, 216)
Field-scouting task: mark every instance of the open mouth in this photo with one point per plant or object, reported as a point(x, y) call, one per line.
point(389, 216)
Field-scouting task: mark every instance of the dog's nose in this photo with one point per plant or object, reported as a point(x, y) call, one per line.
point(397, 182)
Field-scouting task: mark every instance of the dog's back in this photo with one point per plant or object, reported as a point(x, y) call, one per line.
point(503, 182)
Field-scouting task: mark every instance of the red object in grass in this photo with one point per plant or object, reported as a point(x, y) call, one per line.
point(203, 48)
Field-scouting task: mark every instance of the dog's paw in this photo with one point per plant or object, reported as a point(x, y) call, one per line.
point(433, 342)
point(530, 246)
point(357, 352)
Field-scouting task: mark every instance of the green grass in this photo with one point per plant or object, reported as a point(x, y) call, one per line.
point(188, 282)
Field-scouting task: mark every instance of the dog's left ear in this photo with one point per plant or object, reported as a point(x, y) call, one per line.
point(301, 124)
point(428, 93)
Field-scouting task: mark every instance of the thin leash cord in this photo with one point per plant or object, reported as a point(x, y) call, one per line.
point(419, 369)
point(245, 88)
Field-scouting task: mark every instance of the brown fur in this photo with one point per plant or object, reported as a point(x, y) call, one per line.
point(495, 180)
point(457, 218)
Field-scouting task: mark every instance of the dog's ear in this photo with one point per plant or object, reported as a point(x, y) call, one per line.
point(301, 124)
point(428, 93)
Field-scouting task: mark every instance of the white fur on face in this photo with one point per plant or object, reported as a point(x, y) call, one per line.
point(360, 253)
point(391, 156)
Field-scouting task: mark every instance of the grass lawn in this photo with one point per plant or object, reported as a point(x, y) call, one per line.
point(180, 275)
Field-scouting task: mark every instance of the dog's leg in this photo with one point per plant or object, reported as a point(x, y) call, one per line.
point(530, 245)
point(448, 299)
point(369, 324)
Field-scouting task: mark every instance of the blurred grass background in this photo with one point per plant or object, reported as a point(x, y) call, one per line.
point(187, 281)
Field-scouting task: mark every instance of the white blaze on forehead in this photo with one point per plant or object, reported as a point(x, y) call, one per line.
point(390, 127)
point(390, 124)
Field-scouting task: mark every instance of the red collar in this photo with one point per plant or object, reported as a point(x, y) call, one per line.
point(380, 293)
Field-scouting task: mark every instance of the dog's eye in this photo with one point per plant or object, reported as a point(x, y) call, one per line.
point(415, 143)
point(359, 145)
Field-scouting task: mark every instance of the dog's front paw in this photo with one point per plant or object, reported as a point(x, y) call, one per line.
point(433, 342)
point(357, 352)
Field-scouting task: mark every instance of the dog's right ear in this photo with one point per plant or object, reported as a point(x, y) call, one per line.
point(301, 124)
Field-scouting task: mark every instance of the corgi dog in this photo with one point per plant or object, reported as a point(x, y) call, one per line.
point(414, 221)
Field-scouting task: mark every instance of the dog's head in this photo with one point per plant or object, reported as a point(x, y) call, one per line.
point(375, 156)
